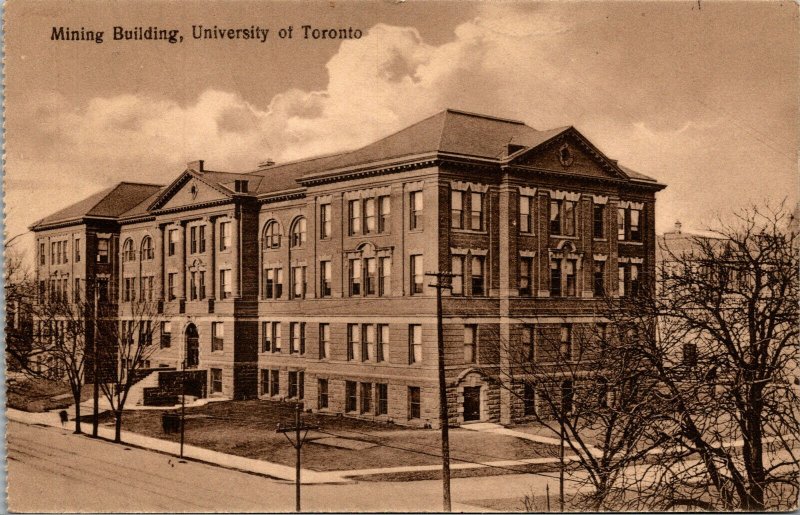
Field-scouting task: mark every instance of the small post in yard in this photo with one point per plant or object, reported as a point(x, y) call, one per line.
point(95, 357)
point(183, 402)
point(443, 282)
point(297, 443)
point(547, 495)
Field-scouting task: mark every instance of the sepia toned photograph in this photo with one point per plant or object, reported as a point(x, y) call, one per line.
point(401, 256)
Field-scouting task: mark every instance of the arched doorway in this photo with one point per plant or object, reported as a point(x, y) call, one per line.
point(192, 346)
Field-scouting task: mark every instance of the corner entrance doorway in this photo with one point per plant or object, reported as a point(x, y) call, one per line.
point(472, 403)
point(192, 347)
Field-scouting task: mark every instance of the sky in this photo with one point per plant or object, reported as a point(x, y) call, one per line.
point(702, 95)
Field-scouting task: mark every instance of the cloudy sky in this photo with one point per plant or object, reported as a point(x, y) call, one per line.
point(702, 96)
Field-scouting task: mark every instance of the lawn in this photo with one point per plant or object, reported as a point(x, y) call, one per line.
point(247, 428)
point(39, 395)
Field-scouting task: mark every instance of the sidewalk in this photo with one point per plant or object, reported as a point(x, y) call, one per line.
point(488, 427)
point(189, 451)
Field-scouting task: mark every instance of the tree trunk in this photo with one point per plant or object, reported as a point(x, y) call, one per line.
point(118, 426)
point(77, 399)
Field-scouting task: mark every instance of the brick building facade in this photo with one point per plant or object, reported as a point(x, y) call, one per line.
point(305, 280)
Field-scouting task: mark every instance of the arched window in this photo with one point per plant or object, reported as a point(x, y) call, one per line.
point(272, 235)
point(128, 254)
point(147, 248)
point(298, 232)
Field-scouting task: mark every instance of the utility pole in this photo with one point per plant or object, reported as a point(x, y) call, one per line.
point(297, 443)
point(183, 402)
point(561, 463)
point(95, 368)
point(443, 282)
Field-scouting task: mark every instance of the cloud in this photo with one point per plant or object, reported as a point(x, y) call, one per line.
point(527, 63)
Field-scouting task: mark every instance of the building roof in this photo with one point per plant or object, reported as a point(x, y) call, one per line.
point(108, 203)
point(450, 132)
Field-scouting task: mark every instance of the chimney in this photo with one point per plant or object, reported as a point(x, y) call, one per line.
point(266, 164)
point(677, 227)
point(195, 166)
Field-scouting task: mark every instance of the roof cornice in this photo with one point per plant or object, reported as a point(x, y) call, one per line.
point(192, 207)
point(82, 220)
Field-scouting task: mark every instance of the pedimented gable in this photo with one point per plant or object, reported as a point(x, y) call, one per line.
point(188, 190)
point(570, 152)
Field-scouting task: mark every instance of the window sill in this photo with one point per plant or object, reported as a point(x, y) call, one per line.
point(564, 237)
point(629, 242)
point(595, 238)
point(469, 231)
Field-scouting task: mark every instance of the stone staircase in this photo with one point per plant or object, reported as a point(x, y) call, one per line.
point(136, 393)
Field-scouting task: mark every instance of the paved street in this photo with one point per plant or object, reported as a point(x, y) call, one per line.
point(53, 470)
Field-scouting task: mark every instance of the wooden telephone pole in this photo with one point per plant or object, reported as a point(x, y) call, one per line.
point(95, 367)
point(443, 282)
point(297, 443)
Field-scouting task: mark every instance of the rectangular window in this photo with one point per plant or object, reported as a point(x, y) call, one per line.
point(470, 343)
point(324, 221)
point(568, 221)
point(77, 291)
point(634, 280)
point(383, 342)
point(370, 276)
point(269, 283)
point(193, 240)
point(53, 253)
point(216, 380)
point(201, 236)
point(555, 217)
point(325, 279)
point(636, 233)
point(350, 396)
point(225, 286)
point(384, 276)
point(264, 390)
point(42, 257)
point(415, 210)
point(217, 336)
point(77, 250)
point(565, 342)
point(275, 382)
point(525, 222)
point(324, 341)
point(599, 278)
point(102, 250)
point(621, 224)
point(322, 393)
point(384, 213)
point(266, 337)
point(598, 212)
point(298, 282)
point(525, 276)
point(456, 209)
point(417, 275)
point(476, 211)
point(173, 242)
point(166, 334)
point(193, 286)
point(478, 275)
point(457, 269)
point(128, 292)
point(621, 280)
point(414, 343)
point(171, 286)
point(353, 341)
point(529, 336)
point(278, 283)
point(690, 354)
point(555, 277)
point(369, 215)
point(355, 277)
point(354, 209)
point(529, 399)
point(276, 336)
point(64, 251)
point(570, 277)
point(366, 397)
point(382, 393)
point(297, 344)
point(368, 342)
point(201, 285)
point(224, 235)
point(293, 384)
point(414, 404)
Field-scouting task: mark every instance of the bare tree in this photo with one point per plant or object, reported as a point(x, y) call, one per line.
point(126, 345)
point(725, 360)
point(592, 391)
point(20, 296)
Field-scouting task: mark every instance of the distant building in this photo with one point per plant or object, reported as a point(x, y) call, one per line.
point(305, 280)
